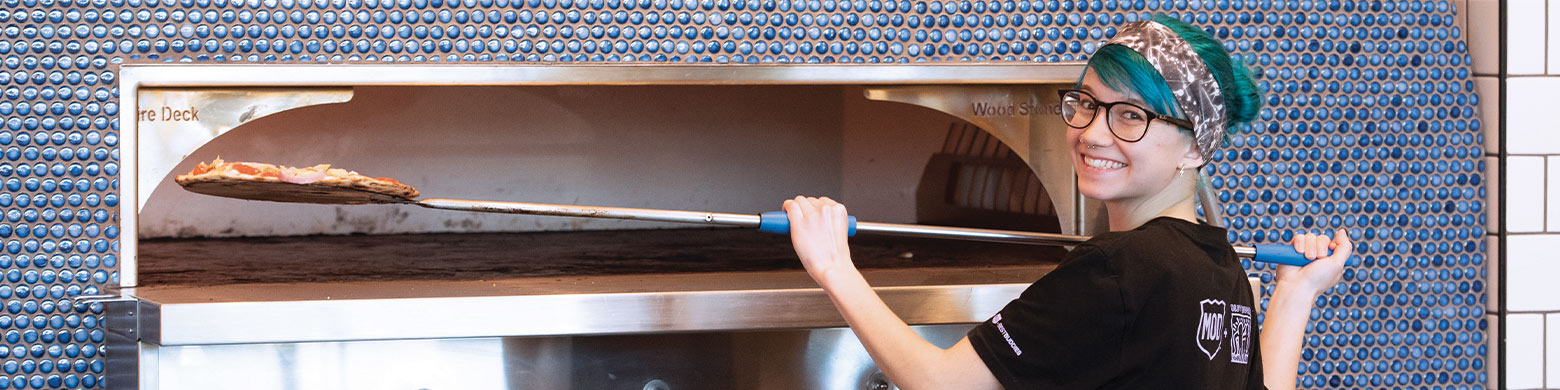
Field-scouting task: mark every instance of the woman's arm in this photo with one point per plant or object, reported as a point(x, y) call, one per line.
point(1290, 306)
point(818, 231)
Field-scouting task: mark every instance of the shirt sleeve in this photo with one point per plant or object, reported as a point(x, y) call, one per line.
point(1064, 331)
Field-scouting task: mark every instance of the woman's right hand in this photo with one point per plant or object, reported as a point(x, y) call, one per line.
point(819, 232)
point(1328, 257)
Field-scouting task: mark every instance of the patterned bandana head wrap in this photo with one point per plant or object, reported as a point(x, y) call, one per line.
point(1193, 84)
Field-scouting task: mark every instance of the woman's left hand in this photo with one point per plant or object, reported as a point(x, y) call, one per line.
point(819, 229)
point(1324, 271)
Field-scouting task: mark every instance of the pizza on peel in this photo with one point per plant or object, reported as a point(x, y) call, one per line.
point(316, 184)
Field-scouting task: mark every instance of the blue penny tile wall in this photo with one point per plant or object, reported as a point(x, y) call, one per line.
point(1369, 126)
point(59, 172)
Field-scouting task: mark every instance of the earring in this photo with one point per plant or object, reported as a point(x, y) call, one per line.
point(1179, 171)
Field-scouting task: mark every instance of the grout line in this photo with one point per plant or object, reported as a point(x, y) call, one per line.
point(1501, 79)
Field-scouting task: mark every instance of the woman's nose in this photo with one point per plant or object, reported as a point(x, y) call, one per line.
point(1098, 132)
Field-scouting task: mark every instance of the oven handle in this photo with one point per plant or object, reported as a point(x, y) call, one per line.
point(776, 222)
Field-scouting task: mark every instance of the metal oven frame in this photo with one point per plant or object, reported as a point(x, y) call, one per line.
point(143, 320)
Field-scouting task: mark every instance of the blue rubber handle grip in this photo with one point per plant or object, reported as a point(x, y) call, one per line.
point(1285, 254)
point(1281, 254)
point(776, 222)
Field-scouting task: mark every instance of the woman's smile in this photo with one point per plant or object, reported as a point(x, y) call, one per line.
point(1102, 164)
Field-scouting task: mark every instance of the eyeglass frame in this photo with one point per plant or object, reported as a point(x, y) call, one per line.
point(1105, 107)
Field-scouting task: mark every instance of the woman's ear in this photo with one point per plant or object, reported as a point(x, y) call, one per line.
point(1193, 157)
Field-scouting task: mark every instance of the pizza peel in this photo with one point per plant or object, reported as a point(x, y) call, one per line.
point(773, 222)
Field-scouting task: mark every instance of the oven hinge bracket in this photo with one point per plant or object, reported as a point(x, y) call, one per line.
point(126, 320)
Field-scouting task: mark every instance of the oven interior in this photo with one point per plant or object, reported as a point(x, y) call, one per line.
point(738, 149)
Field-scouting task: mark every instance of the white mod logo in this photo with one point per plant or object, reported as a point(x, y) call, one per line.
point(1210, 326)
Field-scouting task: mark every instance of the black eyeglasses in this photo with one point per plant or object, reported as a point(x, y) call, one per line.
point(1127, 121)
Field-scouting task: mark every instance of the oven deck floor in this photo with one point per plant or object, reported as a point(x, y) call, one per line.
point(340, 288)
point(492, 256)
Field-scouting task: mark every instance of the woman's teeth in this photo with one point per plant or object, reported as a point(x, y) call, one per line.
point(1102, 164)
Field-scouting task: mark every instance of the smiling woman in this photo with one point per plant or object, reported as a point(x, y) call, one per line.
point(1161, 300)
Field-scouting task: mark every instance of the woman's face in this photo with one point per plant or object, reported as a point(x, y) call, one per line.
point(1113, 170)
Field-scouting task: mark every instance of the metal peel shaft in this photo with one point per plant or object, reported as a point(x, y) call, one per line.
point(749, 220)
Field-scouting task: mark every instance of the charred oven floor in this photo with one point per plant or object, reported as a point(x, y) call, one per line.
point(486, 256)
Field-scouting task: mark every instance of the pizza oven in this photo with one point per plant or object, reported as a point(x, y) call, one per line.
point(219, 292)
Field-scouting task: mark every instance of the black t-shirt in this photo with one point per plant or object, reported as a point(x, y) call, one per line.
point(1165, 305)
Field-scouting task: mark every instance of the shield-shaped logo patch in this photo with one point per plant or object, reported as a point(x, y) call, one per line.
point(1210, 326)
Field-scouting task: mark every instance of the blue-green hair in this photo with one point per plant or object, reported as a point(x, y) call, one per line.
point(1124, 69)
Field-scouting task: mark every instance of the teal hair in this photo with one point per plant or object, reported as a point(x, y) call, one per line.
point(1123, 69)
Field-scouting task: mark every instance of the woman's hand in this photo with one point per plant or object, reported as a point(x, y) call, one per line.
point(1324, 271)
point(819, 229)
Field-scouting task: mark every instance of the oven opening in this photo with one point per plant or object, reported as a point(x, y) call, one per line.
point(730, 149)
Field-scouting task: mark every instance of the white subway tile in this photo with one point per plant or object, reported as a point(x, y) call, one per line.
point(1532, 265)
point(1524, 192)
point(1492, 190)
point(1552, 194)
point(1525, 37)
point(1530, 122)
point(1488, 88)
point(1492, 274)
point(1552, 351)
point(1524, 351)
point(1483, 34)
point(1553, 46)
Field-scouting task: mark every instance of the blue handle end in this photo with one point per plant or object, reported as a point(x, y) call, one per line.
point(774, 222)
point(777, 223)
point(1286, 254)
